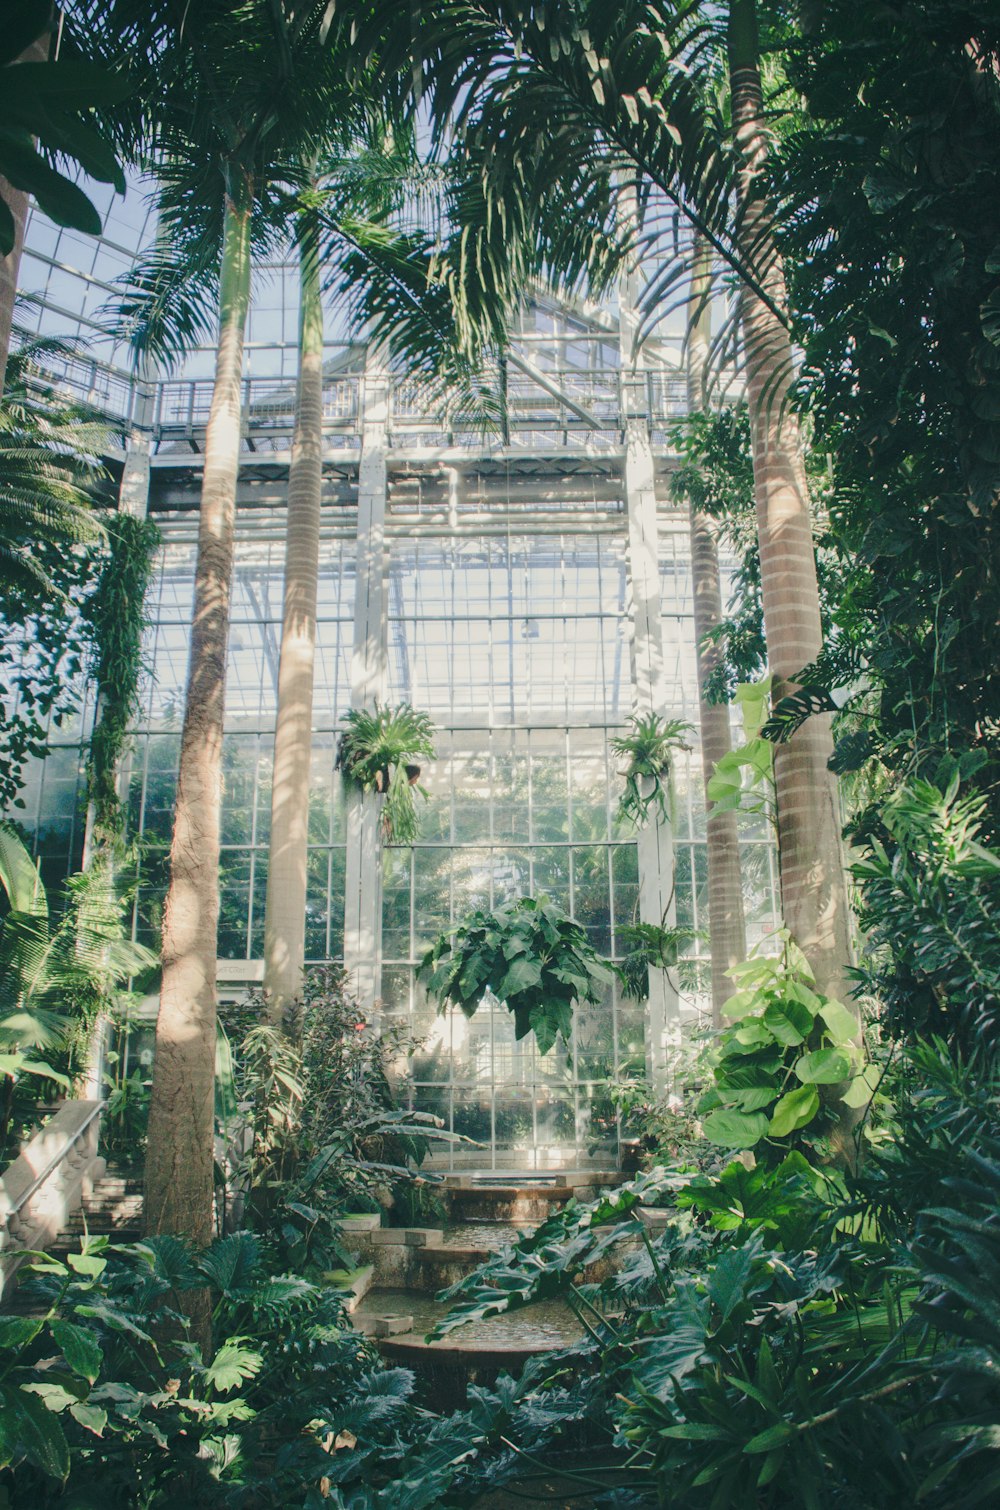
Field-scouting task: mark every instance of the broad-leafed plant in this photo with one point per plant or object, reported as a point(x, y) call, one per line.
point(788, 1048)
point(379, 752)
point(529, 956)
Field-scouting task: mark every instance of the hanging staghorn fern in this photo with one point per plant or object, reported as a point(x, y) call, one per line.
point(117, 615)
point(378, 751)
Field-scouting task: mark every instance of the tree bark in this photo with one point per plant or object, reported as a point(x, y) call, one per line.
point(727, 928)
point(813, 885)
point(16, 201)
point(285, 906)
point(179, 1158)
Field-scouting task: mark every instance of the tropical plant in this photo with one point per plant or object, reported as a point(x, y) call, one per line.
point(529, 956)
point(650, 946)
point(647, 750)
point(47, 115)
point(378, 752)
point(789, 1042)
point(55, 979)
point(929, 890)
point(116, 613)
point(312, 1123)
point(106, 1395)
point(50, 477)
point(743, 780)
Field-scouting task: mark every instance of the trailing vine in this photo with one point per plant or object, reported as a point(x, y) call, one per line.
point(117, 615)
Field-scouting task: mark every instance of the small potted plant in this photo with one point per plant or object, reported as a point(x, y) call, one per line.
point(379, 751)
point(531, 957)
point(646, 751)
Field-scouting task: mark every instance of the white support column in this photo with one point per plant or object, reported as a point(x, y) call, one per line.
point(363, 887)
point(655, 841)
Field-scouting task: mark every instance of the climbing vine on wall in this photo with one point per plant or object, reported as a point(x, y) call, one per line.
point(117, 615)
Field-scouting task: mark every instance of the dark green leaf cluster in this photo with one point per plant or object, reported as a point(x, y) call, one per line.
point(529, 956)
point(792, 1336)
point(105, 1394)
point(886, 201)
point(116, 612)
point(929, 903)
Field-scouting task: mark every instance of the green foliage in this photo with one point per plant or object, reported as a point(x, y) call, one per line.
point(743, 780)
point(117, 613)
point(325, 1132)
point(792, 1336)
point(51, 552)
point(378, 752)
point(529, 955)
point(47, 111)
point(54, 979)
point(773, 1066)
point(106, 1400)
point(647, 750)
point(648, 946)
point(126, 1112)
point(930, 890)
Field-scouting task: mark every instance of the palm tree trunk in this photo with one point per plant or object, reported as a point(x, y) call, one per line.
point(179, 1159)
point(813, 887)
point(727, 929)
point(285, 908)
point(16, 201)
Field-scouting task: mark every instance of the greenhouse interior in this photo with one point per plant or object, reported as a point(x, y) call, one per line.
point(499, 754)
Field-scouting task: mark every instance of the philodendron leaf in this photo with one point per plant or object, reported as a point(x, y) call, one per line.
point(522, 974)
point(862, 1088)
point(735, 1129)
point(794, 1110)
point(789, 1021)
point(823, 1067)
point(841, 1023)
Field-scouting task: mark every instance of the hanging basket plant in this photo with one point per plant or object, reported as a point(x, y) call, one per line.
point(380, 751)
point(529, 956)
point(646, 753)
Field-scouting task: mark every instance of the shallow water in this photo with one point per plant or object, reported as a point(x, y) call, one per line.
point(549, 1324)
point(489, 1235)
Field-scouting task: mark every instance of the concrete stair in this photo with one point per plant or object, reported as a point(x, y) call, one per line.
point(113, 1209)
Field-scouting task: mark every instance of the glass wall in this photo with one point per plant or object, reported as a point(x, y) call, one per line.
point(251, 702)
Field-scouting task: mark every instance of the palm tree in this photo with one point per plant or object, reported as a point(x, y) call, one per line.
point(727, 929)
point(351, 227)
point(205, 248)
point(634, 94)
point(285, 904)
point(228, 103)
point(813, 888)
point(45, 111)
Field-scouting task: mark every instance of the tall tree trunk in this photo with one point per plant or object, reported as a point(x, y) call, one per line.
point(179, 1156)
point(16, 201)
point(727, 929)
point(285, 909)
point(813, 886)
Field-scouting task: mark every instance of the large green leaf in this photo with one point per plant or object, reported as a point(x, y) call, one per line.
point(823, 1067)
point(79, 1347)
point(734, 1129)
point(795, 1109)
